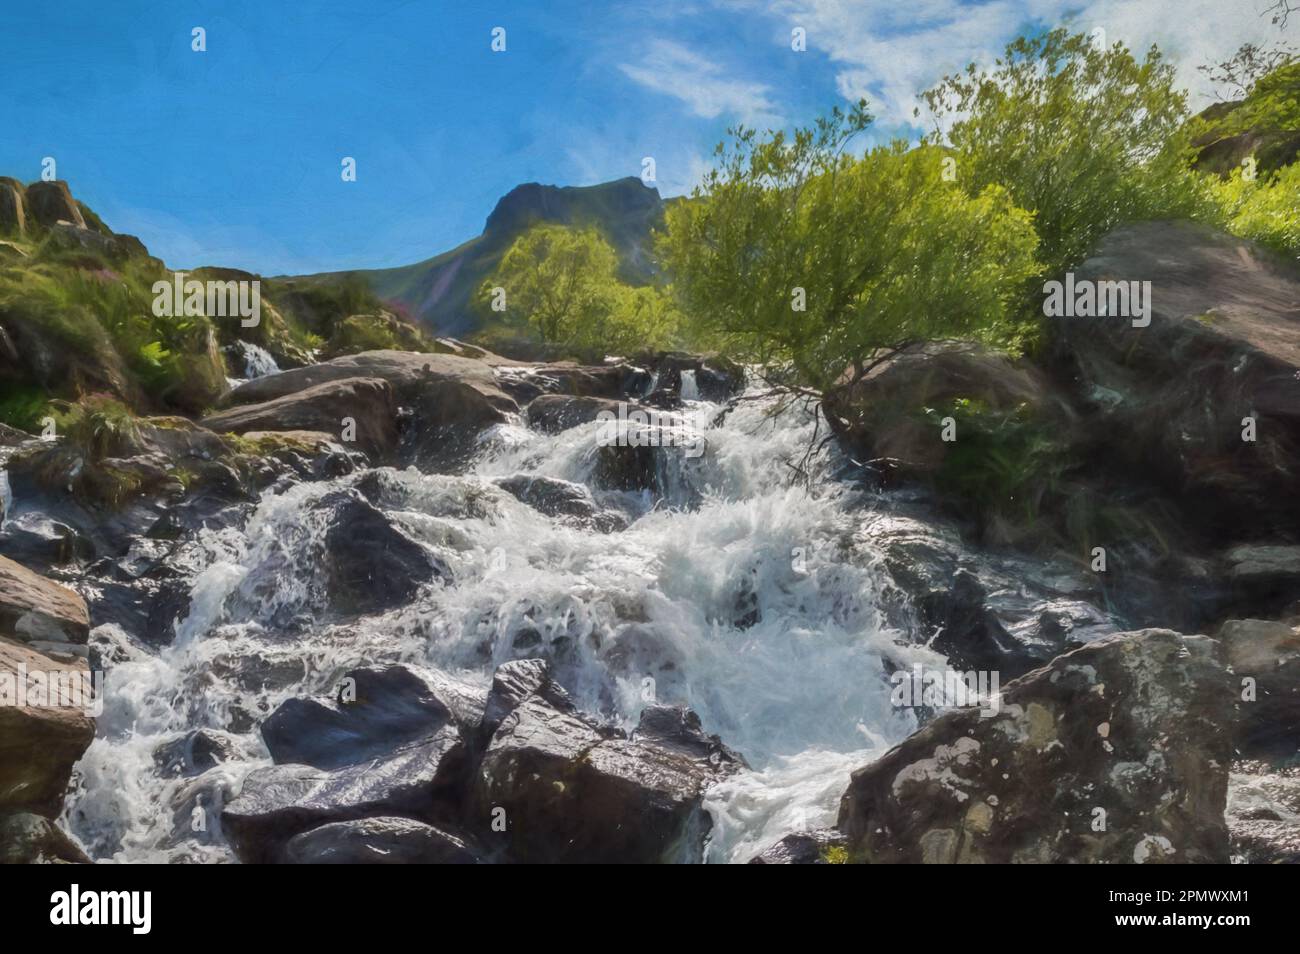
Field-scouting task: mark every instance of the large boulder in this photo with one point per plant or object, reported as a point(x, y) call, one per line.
point(375, 709)
point(418, 781)
point(370, 563)
point(366, 401)
point(882, 415)
point(51, 202)
point(409, 373)
point(42, 732)
point(380, 841)
point(38, 611)
point(1116, 752)
point(570, 790)
point(450, 398)
point(1169, 401)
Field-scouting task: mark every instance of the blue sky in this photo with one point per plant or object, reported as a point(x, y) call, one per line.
point(232, 156)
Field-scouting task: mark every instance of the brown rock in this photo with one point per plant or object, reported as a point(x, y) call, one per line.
point(52, 202)
point(321, 407)
point(39, 743)
point(38, 611)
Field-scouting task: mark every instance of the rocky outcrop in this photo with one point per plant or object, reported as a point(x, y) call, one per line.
point(366, 402)
point(51, 202)
point(1205, 399)
point(1115, 752)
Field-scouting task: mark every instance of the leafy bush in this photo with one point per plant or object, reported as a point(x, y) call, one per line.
point(1085, 138)
point(1266, 209)
point(877, 250)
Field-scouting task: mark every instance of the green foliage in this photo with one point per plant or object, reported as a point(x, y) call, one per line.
point(562, 283)
point(1085, 138)
point(1003, 465)
point(23, 406)
point(886, 252)
point(376, 332)
point(835, 855)
point(98, 426)
point(1266, 209)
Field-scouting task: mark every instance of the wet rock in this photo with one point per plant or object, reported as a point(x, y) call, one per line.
point(370, 564)
point(1115, 752)
point(195, 752)
point(1267, 653)
point(512, 683)
point(43, 738)
point(821, 847)
point(38, 541)
point(553, 413)
point(562, 498)
point(374, 710)
point(38, 611)
point(28, 839)
point(380, 841)
point(1263, 813)
point(528, 382)
point(275, 804)
point(678, 729)
point(368, 402)
point(573, 791)
point(982, 610)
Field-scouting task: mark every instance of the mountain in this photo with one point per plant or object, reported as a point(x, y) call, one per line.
point(437, 290)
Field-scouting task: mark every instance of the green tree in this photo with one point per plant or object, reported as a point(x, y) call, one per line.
point(561, 279)
point(563, 282)
point(816, 263)
point(1084, 136)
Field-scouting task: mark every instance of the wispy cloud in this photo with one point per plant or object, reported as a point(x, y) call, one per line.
point(670, 68)
point(890, 52)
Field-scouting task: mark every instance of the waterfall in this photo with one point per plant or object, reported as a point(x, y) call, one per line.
point(751, 589)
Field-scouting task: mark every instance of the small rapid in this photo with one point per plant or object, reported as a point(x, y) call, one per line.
point(734, 591)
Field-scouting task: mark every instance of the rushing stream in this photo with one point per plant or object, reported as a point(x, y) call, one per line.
point(745, 595)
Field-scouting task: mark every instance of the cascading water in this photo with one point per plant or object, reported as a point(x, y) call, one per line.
point(735, 593)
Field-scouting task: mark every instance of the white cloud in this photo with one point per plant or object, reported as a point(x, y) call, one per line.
point(673, 69)
point(890, 51)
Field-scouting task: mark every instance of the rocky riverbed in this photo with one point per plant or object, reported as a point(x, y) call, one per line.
point(405, 607)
